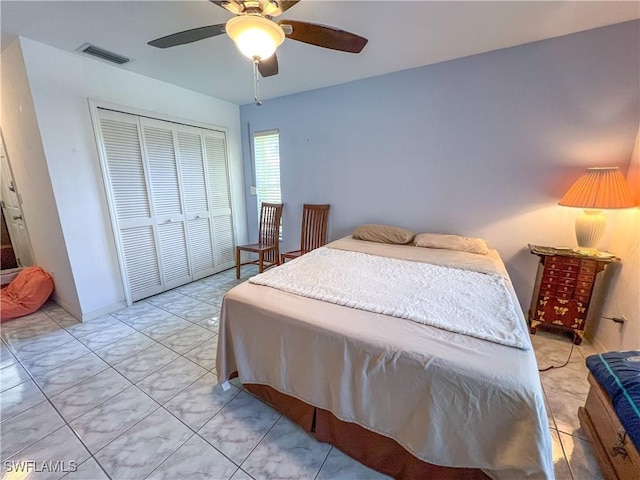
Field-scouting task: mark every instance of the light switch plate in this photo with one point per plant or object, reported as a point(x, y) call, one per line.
point(254, 190)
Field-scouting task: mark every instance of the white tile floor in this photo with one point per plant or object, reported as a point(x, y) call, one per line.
point(133, 395)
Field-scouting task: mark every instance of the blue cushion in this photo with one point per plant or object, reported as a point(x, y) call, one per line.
point(619, 374)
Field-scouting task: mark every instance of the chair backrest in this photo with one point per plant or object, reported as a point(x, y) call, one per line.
point(314, 226)
point(269, 228)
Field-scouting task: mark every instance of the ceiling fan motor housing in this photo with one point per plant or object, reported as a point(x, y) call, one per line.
point(263, 7)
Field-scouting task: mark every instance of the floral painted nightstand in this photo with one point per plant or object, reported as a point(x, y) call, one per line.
point(568, 286)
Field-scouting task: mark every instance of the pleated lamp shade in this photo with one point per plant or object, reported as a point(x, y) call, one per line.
point(599, 189)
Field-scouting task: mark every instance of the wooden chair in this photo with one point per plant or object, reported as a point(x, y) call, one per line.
point(268, 246)
point(314, 230)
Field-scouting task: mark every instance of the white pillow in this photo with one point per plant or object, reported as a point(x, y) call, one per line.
point(452, 242)
point(383, 234)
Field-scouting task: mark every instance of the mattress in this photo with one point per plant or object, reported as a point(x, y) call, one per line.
point(449, 399)
point(619, 374)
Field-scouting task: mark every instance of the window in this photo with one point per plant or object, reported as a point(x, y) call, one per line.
point(266, 148)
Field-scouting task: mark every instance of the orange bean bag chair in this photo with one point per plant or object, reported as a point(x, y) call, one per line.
point(25, 294)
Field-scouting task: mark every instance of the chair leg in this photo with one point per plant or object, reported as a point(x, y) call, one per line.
point(260, 261)
point(237, 263)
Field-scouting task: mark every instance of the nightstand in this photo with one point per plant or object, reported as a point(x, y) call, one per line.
point(569, 286)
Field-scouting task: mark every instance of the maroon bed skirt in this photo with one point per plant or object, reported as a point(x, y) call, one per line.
point(370, 448)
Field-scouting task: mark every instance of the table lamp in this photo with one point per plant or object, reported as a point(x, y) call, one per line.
point(597, 189)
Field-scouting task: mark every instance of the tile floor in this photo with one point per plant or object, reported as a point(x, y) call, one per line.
point(133, 395)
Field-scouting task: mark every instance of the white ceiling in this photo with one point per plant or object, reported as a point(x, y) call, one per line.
point(402, 34)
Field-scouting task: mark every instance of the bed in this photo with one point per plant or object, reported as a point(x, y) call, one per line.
point(407, 398)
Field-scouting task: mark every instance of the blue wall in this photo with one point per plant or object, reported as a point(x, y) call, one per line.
point(481, 146)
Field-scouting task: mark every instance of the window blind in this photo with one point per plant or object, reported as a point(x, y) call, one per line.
point(266, 148)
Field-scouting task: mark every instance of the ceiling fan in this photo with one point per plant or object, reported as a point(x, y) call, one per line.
point(257, 36)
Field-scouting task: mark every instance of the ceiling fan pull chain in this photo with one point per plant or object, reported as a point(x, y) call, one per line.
point(256, 82)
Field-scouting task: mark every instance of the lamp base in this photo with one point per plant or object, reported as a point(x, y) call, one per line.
point(589, 230)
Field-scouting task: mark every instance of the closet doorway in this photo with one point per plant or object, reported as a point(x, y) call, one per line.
point(169, 197)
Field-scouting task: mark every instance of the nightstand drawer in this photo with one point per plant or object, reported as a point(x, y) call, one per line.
point(554, 263)
point(583, 292)
point(563, 295)
point(565, 289)
point(585, 278)
point(549, 279)
point(569, 275)
point(587, 269)
point(570, 282)
point(582, 299)
point(586, 285)
point(571, 261)
point(553, 272)
point(570, 268)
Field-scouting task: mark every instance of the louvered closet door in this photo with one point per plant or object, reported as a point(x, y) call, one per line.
point(129, 190)
point(220, 197)
point(196, 201)
point(160, 148)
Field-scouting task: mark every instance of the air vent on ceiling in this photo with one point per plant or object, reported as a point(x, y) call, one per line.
point(103, 54)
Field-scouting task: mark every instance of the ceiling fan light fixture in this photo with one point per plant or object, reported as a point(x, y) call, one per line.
point(255, 36)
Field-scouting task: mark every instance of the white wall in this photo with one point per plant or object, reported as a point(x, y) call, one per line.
point(625, 289)
point(27, 156)
point(61, 84)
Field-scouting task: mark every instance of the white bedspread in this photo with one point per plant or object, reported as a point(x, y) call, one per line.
point(447, 398)
point(454, 299)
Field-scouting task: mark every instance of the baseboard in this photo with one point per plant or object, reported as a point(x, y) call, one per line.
point(86, 317)
point(74, 312)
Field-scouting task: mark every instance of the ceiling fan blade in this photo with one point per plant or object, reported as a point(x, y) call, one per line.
point(188, 36)
point(324, 36)
point(268, 67)
point(220, 3)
